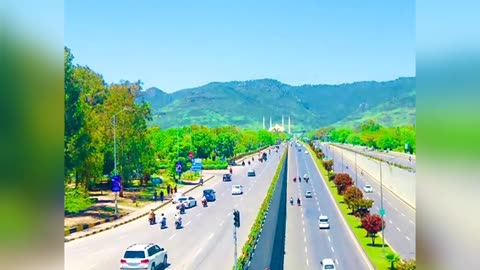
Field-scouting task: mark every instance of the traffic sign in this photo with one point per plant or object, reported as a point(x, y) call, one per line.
point(116, 186)
point(382, 212)
point(178, 168)
point(196, 168)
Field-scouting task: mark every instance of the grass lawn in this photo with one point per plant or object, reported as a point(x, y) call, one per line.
point(373, 252)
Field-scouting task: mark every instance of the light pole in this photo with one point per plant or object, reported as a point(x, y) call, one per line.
point(115, 151)
point(382, 211)
point(356, 170)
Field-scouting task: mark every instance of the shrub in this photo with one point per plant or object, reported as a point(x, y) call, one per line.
point(342, 181)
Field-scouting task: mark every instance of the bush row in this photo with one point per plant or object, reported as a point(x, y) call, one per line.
point(258, 224)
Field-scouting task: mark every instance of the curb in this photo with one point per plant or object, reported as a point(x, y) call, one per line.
point(87, 226)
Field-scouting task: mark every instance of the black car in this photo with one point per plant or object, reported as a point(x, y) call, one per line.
point(209, 195)
point(227, 177)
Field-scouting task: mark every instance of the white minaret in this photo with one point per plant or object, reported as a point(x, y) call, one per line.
point(264, 122)
point(289, 130)
point(283, 125)
point(270, 122)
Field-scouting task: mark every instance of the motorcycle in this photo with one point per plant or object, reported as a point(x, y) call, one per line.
point(178, 224)
point(163, 224)
point(151, 220)
point(291, 201)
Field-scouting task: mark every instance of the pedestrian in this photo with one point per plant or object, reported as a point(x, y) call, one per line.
point(161, 195)
point(175, 188)
point(168, 189)
point(155, 195)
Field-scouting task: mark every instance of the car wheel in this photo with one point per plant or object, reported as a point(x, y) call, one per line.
point(165, 260)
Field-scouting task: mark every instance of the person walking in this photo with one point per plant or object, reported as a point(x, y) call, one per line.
point(161, 195)
point(175, 188)
point(168, 190)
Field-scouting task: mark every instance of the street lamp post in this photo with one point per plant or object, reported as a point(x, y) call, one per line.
point(115, 152)
point(383, 211)
point(356, 171)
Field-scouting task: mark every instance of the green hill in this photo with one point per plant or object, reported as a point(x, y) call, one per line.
point(245, 103)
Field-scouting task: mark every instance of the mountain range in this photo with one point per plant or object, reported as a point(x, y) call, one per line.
point(245, 103)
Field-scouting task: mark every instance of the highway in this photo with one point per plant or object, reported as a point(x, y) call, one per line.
point(395, 157)
point(205, 242)
point(306, 245)
point(399, 217)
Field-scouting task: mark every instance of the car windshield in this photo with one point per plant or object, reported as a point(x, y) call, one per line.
point(329, 266)
point(130, 254)
point(324, 220)
point(207, 192)
point(367, 186)
point(182, 199)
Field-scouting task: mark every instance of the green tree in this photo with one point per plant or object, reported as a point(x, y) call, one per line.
point(392, 258)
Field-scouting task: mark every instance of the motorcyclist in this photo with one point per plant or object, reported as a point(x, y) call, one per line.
point(151, 216)
point(291, 200)
point(201, 181)
point(294, 179)
point(178, 220)
point(243, 163)
point(298, 201)
point(204, 200)
point(164, 221)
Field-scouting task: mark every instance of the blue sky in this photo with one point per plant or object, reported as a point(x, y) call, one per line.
point(174, 45)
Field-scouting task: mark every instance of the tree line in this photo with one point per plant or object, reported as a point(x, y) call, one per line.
point(92, 105)
point(371, 134)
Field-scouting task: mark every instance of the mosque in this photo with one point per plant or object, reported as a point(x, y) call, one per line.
point(277, 127)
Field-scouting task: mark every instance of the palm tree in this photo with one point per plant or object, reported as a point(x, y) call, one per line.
point(392, 258)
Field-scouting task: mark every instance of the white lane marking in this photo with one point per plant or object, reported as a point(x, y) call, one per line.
point(303, 222)
point(228, 214)
point(303, 229)
point(336, 261)
point(211, 235)
point(305, 249)
point(402, 214)
point(408, 238)
point(329, 240)
point(186, 224)
point(412, 222)
point(241, 198)
point(390, 221)
point(332, 249)
point(319, 210)
point(305, 239)
point(171, 237)
point(396, 209)
point(93, 266)
point(318, 204)
point(221, 223)
point(196, 253)
point(398, 229)
point(307, 262)
point(199, 214)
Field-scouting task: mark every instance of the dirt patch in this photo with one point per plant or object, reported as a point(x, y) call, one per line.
point(92, 215)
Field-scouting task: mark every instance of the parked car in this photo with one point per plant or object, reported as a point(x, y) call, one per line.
point(308, 194)
point(143, 256)
point(328, 264)
point(251, 172)
point(188, 201)
point(209, 195)
point(368, 189)
point(323, 222)
point(237, 189)
point(227, 177)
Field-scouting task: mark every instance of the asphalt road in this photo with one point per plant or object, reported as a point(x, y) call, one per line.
point(395, 157)
point(306, 245)
point(399, 217)
point(205, 242)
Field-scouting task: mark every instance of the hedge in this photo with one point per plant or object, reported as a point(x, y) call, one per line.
point(258, 224)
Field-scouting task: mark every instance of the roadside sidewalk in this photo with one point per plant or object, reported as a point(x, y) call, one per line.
point(139, 213)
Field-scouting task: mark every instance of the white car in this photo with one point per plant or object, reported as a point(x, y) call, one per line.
point(143, 256)
point(188, 201)
point(328, 264)
point(306, 151)
point(177, 196)
point(237, 189)
point(368, 189)
point(308, 194)
point(323, 222)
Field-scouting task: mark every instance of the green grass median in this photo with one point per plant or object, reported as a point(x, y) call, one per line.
point(374, 253)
